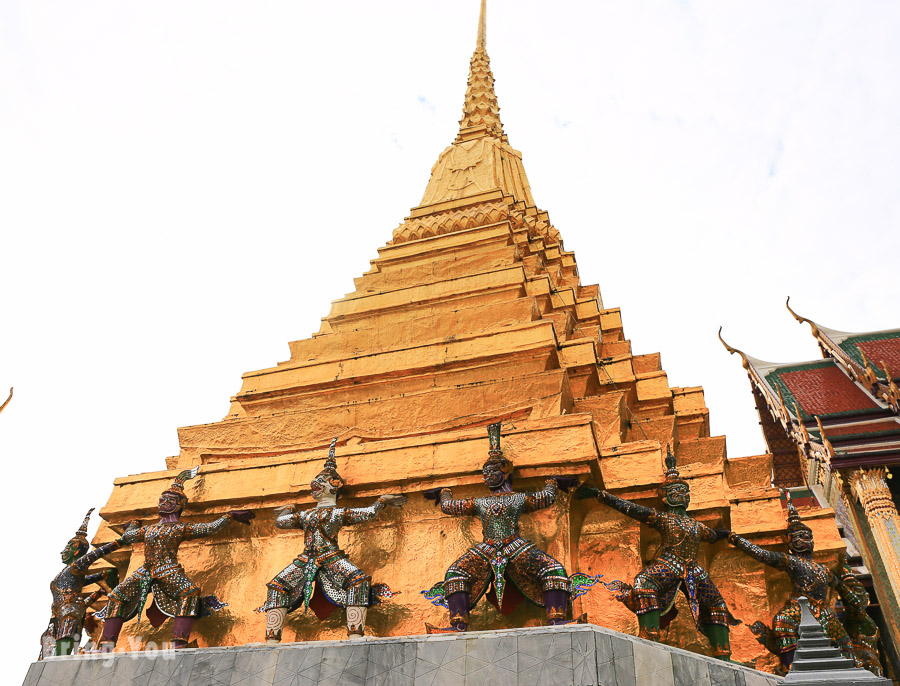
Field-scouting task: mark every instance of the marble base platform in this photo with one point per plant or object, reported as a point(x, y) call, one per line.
point(573, 655)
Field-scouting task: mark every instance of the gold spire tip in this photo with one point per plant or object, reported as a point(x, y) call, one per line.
point(480, 109)
point(482, 26)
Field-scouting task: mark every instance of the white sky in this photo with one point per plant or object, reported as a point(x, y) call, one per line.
point(184, 187)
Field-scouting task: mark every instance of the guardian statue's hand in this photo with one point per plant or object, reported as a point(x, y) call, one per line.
point(433, 494)
point(566, 482)
point(242, 516)
point(112, 577)
point(585, 491)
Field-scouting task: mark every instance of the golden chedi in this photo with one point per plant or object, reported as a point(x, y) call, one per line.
point(473, 313)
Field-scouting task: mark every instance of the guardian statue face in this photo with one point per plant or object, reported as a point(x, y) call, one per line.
point(493, 475)
point(74, 548)
point(801, 541)
point(170, 503)
point(324, 486)
point(677, 495)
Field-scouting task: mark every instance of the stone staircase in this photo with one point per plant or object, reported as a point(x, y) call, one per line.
point(818, 662)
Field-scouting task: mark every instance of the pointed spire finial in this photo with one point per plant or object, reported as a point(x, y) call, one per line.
point(329, 469)
point(670, 458)
point(795, 523)
point(82, 530)
point(672, 476)
point(479, 160)
point(481, 113)
point(330, 462)
point(482, 27)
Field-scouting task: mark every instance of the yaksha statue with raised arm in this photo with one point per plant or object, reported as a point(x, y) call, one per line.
point(323, 568)
point(808, 579)
point(503, 555)
point(174, 594)
point(675, 567)
point(69, 603)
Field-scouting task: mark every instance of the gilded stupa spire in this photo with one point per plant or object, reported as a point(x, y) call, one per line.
point(479, 175)
point(482, 26)
point(480, 160)
point(480, 109)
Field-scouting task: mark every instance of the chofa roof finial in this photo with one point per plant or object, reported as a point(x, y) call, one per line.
point(744, 361)
point(812, 324)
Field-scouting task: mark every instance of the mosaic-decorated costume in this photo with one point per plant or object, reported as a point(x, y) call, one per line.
point(809, 579)
point(322, 565)
point(676, 566)
point(69, 604)
point(861, 628)
point(503, 555)
point(174, 594)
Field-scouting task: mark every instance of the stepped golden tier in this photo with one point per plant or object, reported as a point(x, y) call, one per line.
point(472, 313)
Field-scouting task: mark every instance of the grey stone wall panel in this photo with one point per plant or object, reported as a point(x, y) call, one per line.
point(573, 655)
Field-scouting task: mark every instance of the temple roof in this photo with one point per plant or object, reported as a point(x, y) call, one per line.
point(879, 350)
point(840, 408)
point(818, 388)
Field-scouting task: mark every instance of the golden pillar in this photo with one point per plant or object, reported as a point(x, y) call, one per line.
point(871, 488)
